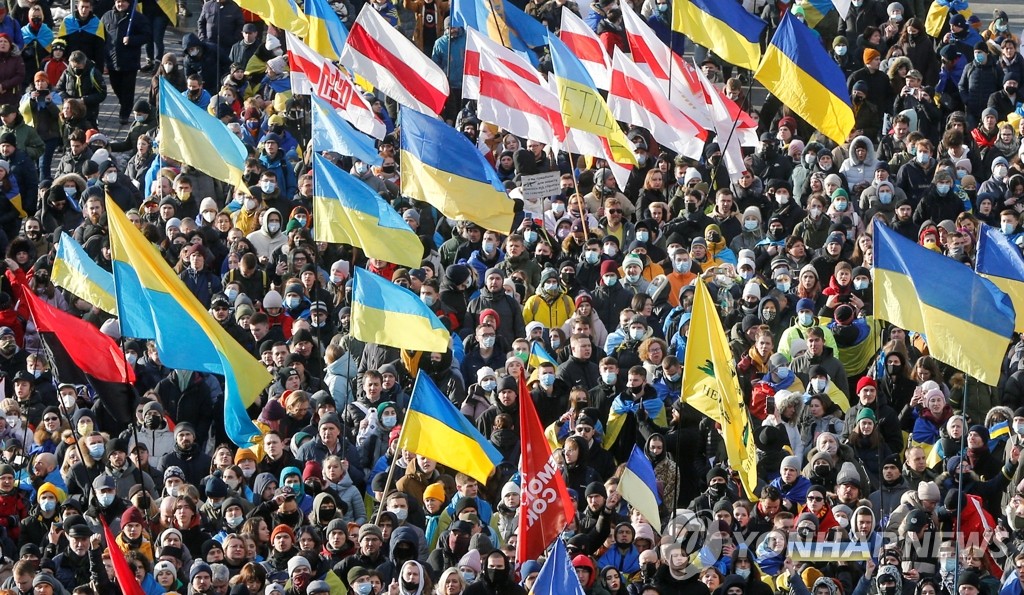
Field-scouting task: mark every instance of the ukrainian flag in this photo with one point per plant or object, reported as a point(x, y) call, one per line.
point(391, 315)
point(967, 319)
point(798, 71)
point(1000, 261)
point(502, 22)
point(434, 428)
point(194, 137)
point(538, 355)
point(76, 272)
point(639, 487)
point(442, 167)
point(557, 576)
point(327, 34)
point(582, 106)
point(283, 14)
point(816, 10)
point(332, 133)
point(347, 211)
point(722, 26)
point(152, 303)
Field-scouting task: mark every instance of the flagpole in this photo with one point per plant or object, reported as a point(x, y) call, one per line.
point(960, 483)
point(391, 467)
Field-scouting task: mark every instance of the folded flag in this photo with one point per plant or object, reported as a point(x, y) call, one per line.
point(999, 260)
point(347, 211)
point(283, 14)
point(816, 10)
point(442, 167)
point(327, 34)
point(802, 75)
point(639, 487)
point(967, 319)
point(153, 303)
point(391, 315)
point(538, 355)
point(582, 106)
point(311, 74)
point(727, 129)
point(76, 272)
point(434, 428)
point(392, 63)
point(636, 99)
point(587, 47)
point(722, 26)
point(191, 135)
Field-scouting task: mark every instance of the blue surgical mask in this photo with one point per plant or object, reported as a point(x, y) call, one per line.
point(885, 197)
point(389, 421)
point(467, 576)
point(530, 237)
point(805, 318)
point(488, 247)
point(923, 158)
point(860, 284)
point(942, 189)
point(547, 380)
point(268, 187)
point(637, 333)
point(841, 50)
point(609, 377)
point(487, 342)
point(611, 280)
point(427, 299)
point(231, 294)
point(1007, 228)
point(105, 500)
point(96, 451)
point(782, 286)
point(47, 505)
point(750, 224)
point(364, 588)
point(591, 257)
point(782, 371)
point(488, 385)
point(643, 236)
point(291, 302)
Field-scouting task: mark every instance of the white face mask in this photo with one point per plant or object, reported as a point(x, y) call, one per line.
point(168, 68)
point(110, 178)
point(209, 216)
point(273, 227)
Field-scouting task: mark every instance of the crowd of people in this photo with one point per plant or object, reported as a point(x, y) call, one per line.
point(863, 438)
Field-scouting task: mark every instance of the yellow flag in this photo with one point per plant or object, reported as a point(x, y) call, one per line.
point(710, 385)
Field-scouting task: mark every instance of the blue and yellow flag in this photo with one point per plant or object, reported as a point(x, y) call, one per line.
point(283, 14)
point(76, 272)
point(391, 315)
point(968, 328)
point(442, 167)
point(722, 26)
point(347, 211)
point(71, 25)
point(582, 105)
point(557, 576)
point(332, 133)
point(502, 22)
point(639, 487)
point(326, 34)
point(194, 137)
point(538, 355)
point(153, 303)
point(435, 429)
point(711, 386)
point(798, 70)
point(1000, 261)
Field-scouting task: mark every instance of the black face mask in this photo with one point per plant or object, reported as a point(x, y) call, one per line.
point(568, 278)
point(497, 576)
point(388, 169)
point(410, 586)
point(893, 369)
point(649, 569)
point(153, 422)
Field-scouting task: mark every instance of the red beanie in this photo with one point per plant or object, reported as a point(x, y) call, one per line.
point(609, 266)
point(866, 381)
point(132, 515)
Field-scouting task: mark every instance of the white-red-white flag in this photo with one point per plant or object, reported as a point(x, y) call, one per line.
point(311, 73)
point(476, 43)
point(519, 104)
point(585, 45)
point(635, 98)
point(393, 64)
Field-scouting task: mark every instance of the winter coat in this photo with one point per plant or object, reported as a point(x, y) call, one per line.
point(123, 57)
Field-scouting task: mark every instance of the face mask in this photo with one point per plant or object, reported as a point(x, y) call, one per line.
point(782, 371)
point(643, 236)
point(47, 505)
point(250, 204)
point(105, 500)
point(362, 168)
point(860, 284)
point(426, 299)
point(843, 521)
point(551, 287)
point(488, 385)
point(530, 237)
point(782, 286)
point(841, 205)
point(609, 377)
point(273, 227)
point(231, 294)
point(885, 197)
point(110, 178)
point(743, 573)
point(131, 357)
point(248, 473)
point(637, 334)
point(641, 159)
point(768, 315)
point(610, 251)
point(805, 319)
point(468, 576)
point(96, 451)
point(750, 224)
point(555, 343)
point(999, 172)
point(558, 208)
point(781, 198)
point(942, 189)
point(401, 514)
point(610, 280)
point(841, 50)
point(268, 187)
point(488, 247)
point(487, 342)
point(291, 303)
point(364, 588)
point(923, 158)
point(979, 58)
point(389, 421)
point(681, 266)
point(168, 68)
point(591, 257)
point(70, 192)
point(949, 564)
point(815, 212)
point(547, 380)
point(234, 521)
point(818, 385)
point(632, 278)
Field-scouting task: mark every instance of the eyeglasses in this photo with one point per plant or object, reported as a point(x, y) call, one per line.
point(51, 418)
point(615, 211)
point(815, 499)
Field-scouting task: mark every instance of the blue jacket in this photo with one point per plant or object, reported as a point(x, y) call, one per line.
point(796, 493)
point(626, 562)
point(285, 174)
point(441, 56)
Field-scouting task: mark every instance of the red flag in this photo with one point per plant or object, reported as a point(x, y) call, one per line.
point(129, 585)
point(545, 506)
